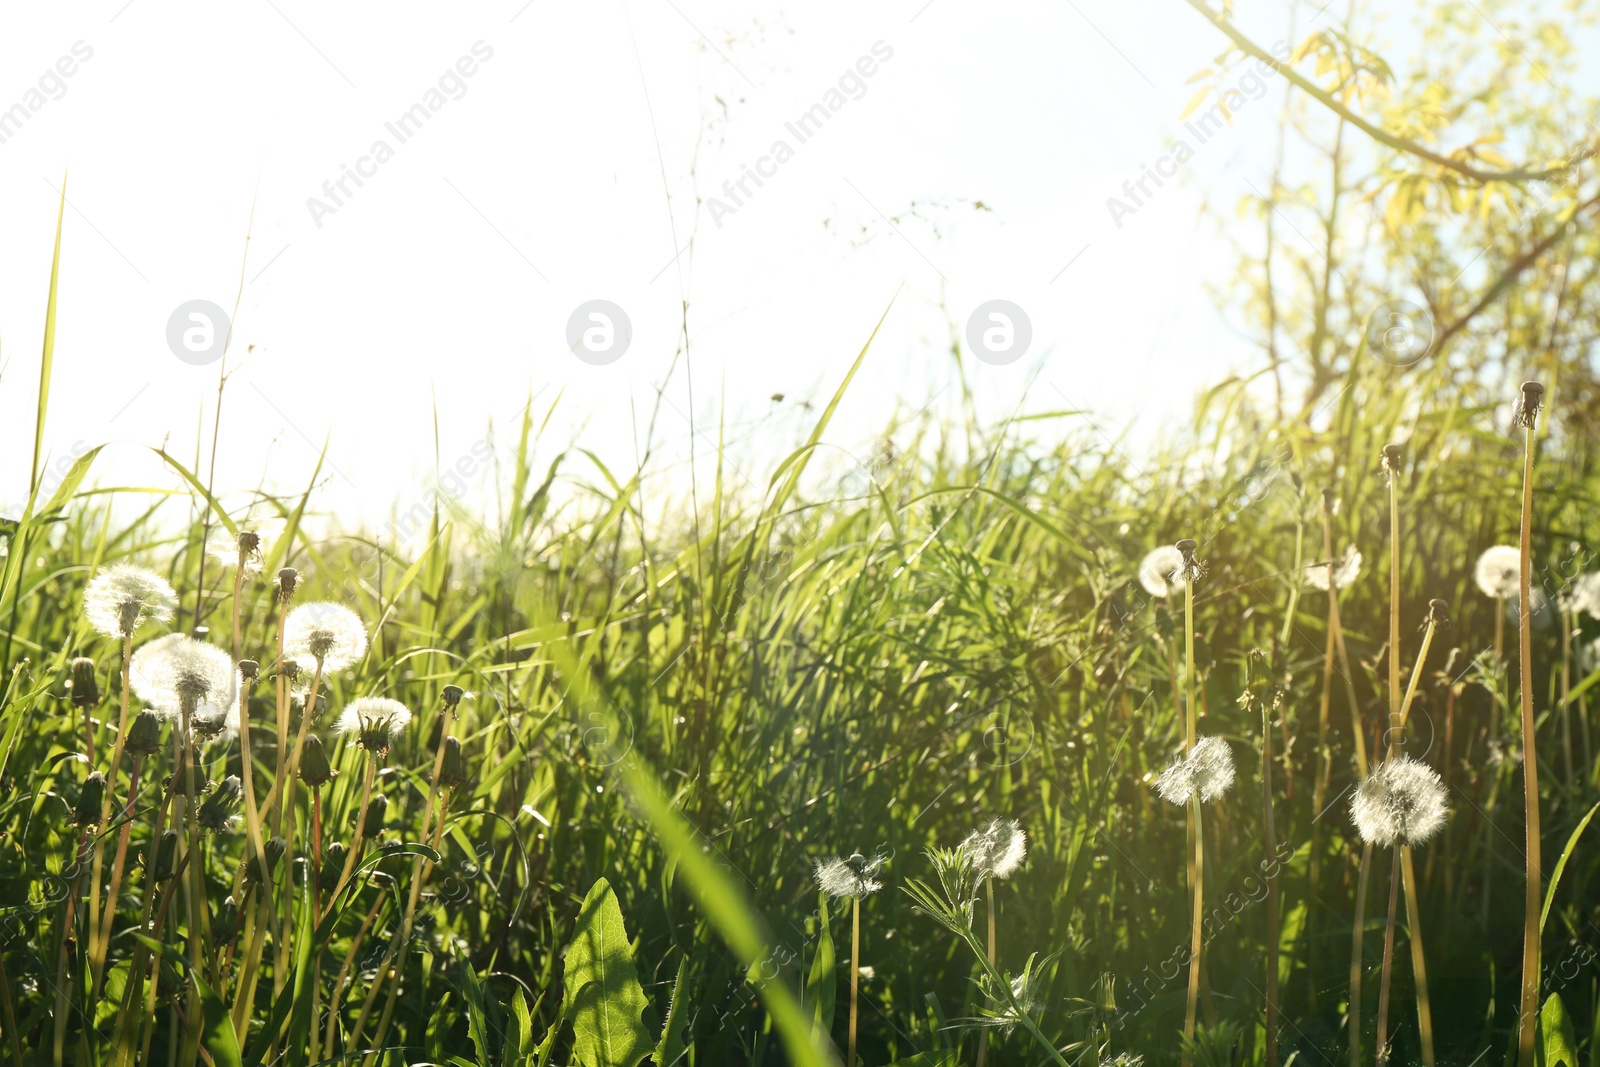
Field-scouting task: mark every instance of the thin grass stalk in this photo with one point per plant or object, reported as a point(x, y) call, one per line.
point(119, 864)
point(983, 1035)
point(9, 1015)
point(1273, 916)
point(122, 1055)
point(1382, 1052)
point(1528, 1013)
point(1196, 846)
point(1419, 964)
point(199, 916)
point(63, 987)
point(1357, 962)
point(337, 993)
point(1196, 922)
point(361, 825)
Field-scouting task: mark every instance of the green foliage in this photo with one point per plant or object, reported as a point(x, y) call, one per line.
point(603, 998)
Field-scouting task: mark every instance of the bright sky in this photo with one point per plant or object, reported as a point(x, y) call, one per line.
point(552, 158)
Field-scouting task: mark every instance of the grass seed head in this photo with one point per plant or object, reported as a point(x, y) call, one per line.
point(121, 599)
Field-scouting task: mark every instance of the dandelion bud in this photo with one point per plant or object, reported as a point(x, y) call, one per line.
point(1529, 405)
point(377, 809)
point(333, 863)
point(225, 923)
point(249, 669)
point(452, 694)
point(286, 580)
point(273, 851)
point(1438, 613)
point(85, 685)
point(314, 768)
point(216, 810)
point(453, 771)
point(144, 736)
point(1391, 458)
point(87, 812)
point(166, 854)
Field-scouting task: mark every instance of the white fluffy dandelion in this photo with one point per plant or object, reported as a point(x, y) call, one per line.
point(324, 633)
point(1583, 595)
point(124, 597)
point(1158, 571)
point(1206, 772)
point(998, 848)
point(854, 877)
point(1499, 571)
point(374, 720)
point(256, 534)
point(1402, 802)
point(1337, 574)
point(177, 675)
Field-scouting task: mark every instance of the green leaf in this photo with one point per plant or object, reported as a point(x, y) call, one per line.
point(477, 1029)
point(671, 1048)
point(822, 979)
point(1561, 865)
point(217, 1037)
point(603, 993)
point(1558, 1044)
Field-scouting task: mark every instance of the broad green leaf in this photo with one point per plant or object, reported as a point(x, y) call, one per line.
point(1558, 1043)
point(603, 994)
point(217, 1038)
point(477, 1028)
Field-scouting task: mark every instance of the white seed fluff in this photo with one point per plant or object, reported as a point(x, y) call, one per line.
point(1337, 574)
point(1583, 596)
point(124, 597)
point(1159, 571)
point(1402, 802)
point(1499, 571)
point(998, 848)
point(176, 673)
point(326, 633)
point(1206, 772)
point(853, 877)
point(374, 720)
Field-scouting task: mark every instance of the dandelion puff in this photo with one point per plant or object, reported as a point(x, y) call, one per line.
point(998, 848)
point(1538, 608)
point(1337, 574)
point(177, 674)
point(1402, 802)
point(245, 547)
point(375, 721)
point(1158, 571)
point(1583, 596)
point(1499, 571)
point(325, 633)
point(1206, 772)
point(853, 877)
point(121, 599)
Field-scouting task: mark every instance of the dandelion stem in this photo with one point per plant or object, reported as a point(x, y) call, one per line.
point(1356, 954)
point(96, 950)
point(1419, 966)
point(855, 972)
point(1195, 931)
point(1272, 887)
point(1197, 847)
point(983, 1035)
point(1528, 1017)
point(1388, 963)
point(361, 825)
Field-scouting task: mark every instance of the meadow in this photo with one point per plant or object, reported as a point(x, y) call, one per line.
point(1267, 743)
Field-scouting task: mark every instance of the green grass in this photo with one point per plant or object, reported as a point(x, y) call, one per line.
point(696, 718)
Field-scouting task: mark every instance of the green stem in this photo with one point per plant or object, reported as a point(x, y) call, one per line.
point(1529, 1011)
point(1358, 928)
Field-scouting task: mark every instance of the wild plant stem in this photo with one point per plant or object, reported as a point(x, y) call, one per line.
point(10, 1015)
point(983, 1035)
point(1271, 843)
point(114, 886)
point(361, 825)
point(1196, 846)
point(855, 972)
point(1196, 923)
point(1529, 1011)
point(96, 949)
point(1356, 954)
point(1388, 963)
point(337, 993)
point(1419, 965)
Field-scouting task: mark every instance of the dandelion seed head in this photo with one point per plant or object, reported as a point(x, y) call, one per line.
point(998, 848)
point(853, 877)
point(1583, 596)
point(119, 600)
point(1337, 574)
point(1159, 571)
point(1206, 772)
point(176, 675)
point(1402, 802)
point(325, 633)
point(245, 548)
point(1499, 571)
point(375, 721)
